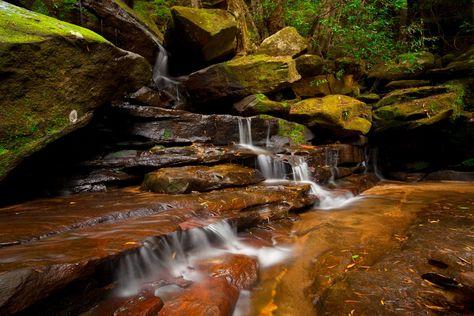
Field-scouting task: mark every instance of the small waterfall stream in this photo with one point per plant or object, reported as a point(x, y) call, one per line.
point(161, 77)
point(274, 168)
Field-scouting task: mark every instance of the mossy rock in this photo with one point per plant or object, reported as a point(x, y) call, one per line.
point(323, 85)
point(286, 42)
point(310, 65)
point(419, 112)
point(288, 132)
point(240, 77)
point(369, 98)
point(404, 84)
point(336, 112)
point(462, 65)
point(403, 95)
point(260, 104)
point(54, 75)
point(209, 33)
point(405, 66)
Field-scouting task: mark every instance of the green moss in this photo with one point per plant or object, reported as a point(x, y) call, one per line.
point(211, 20)
point(295, 132)
point(18, 25)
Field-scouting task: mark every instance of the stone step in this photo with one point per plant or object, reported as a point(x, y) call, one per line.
point(47, 244)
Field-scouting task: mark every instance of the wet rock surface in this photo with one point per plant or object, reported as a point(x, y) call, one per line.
point(200, 178)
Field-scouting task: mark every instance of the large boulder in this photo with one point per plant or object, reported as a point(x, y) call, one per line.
point(403, 95)
point(340, 113)
point(310, 65)
point(260, 104)
point(200, 36)
point(286, 42)
point(405, 66)
point(200, 178)
point(241, 77)
point(323, 85)
point(54, 75)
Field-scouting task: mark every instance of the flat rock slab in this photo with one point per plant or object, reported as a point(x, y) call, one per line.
point(200, 178)
point(50, 243)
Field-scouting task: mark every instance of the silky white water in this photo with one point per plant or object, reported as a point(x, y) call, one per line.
point(275, 168)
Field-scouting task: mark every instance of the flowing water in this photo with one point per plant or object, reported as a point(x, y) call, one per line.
point(161, 77)
point(276, 169)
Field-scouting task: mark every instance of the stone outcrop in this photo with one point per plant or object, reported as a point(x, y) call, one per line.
point(260, 104)
point(310, 65)
point(241, 77)
point(323, 85)
point(56, 74)
point(337, 112)
point(286, 42)
point(405, 66)
point(200, 178)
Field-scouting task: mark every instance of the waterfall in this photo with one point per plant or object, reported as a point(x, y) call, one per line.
point(274, 168)
point(178, 254)
point(332, 161)
point(161, 77)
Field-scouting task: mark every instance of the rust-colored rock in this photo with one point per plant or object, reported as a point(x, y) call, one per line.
point(144, 304)
point(214, 296)
point(200, 178)
point(240, 270)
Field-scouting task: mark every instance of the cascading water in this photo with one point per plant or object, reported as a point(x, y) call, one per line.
point(274, 168)
point(161, 78)
point(177, 256)
point(332, 161)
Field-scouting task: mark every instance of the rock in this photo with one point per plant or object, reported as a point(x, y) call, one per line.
point(144, 304)
point(310, 65)
point(77, 235)
point(248, 37)
point(214, 296)
point(450, 175)
point(241, 270)
point(404, 95)
point(201, 36)
point(55, 75)
point(462, 65)
point(99, 180)
point(405, 66)
point(351, 66)
point(407, 176)
point(323, 85)
point(260, 104)
point(173, 126)
point(337, 112)
point(288, 133)
point(286, 42)
point(151, 97)
point(418, 112)
point(125, 28)
point(241, 77)
point(160, 157)
point(403, 84)
point(200, 178)
point(369, 98)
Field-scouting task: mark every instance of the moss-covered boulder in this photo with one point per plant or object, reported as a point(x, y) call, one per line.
point(323, 85)
point(260, 104)
point(286, 42)
point(403, 95)
point(200, 36)
point(405, 66)
point(180, 180)
point(54, 74)
point(113, 19)
point(287, 132)
point(420, 112)
point(310, 65)
point(462, 65)
point(403, 84)
point(340, 113)
point(240, 77)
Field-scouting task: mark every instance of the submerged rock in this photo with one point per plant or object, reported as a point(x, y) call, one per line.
point(241, 77)
point(55, 75)
point(286, 42)
point(337, 112)
point(201, 35)
point(405, 66)
point(200, 178)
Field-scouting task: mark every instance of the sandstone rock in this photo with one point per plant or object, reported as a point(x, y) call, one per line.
point(450, 175)
point(369, 98)
point(144, 304)
point(125, 28)
point(56, 75)
point(403, 84)
point(241, 270)
point(151, 97)
point(200, 178)
point(260, 104)
point(419, 112)
point(404, 95)
point(173, 126)
point(338, 112)
point(310, 65)
point(286, 42)
point(405, 66)
point(462, 65)
point(323, 85)
point(241, 77)
point(248, 37)
point(201, 35)
point(214, 296)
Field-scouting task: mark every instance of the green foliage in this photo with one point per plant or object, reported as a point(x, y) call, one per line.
point(158, 11)
point(301, 15)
